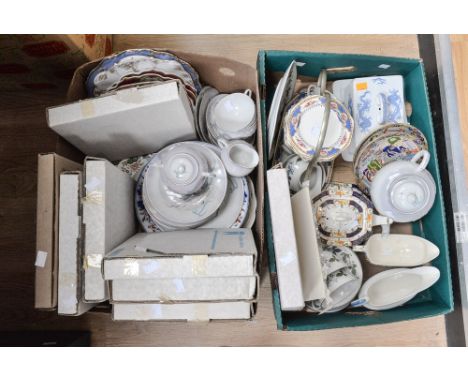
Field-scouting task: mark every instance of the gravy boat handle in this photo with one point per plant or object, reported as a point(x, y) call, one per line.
point(359, 302)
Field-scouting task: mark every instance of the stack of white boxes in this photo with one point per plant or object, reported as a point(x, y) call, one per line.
point(195, 275)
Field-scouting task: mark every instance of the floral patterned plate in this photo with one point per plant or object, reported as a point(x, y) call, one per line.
point(395, 142)
point(133, 166)
point(302, 126)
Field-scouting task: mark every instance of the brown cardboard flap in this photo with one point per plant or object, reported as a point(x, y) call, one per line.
point(49, 168)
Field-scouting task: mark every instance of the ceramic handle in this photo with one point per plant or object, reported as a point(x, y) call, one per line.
point(222, 143)
point(248, 92)
point(381, 220)
point(424, 154)
point(359, 302)
point(359, 248)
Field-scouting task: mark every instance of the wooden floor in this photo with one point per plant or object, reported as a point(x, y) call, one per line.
point(24, 133)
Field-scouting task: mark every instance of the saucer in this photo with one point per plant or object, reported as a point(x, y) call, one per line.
point(234, 209)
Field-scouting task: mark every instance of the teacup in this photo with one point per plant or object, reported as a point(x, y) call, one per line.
point(239, 157)
point(343, 285)
point(333, 259)
point(233, 116)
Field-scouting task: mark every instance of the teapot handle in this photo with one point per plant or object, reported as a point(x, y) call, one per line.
point(424, 154)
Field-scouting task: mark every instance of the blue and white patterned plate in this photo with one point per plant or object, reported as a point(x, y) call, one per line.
point(109, 63)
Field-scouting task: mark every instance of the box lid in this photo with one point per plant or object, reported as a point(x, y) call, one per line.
point(189, 242)
point(129, 122)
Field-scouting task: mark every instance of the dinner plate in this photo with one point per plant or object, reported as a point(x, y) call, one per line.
point(282, 96)
point(302, 125)
point(252, 214)
point(136, 61)
point(206, 98)
point(234, 209)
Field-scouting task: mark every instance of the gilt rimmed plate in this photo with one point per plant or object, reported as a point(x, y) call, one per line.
point(302, 126)
point(343, 214)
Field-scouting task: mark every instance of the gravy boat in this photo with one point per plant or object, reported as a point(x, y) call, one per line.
point(395, 250)
point(392, 288)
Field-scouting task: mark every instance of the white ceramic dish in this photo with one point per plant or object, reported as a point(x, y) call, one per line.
point(394, 287)
point(283, 94)
point(235, 207)
point(396, 250)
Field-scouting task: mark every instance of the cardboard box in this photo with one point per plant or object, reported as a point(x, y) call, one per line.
point(128, 122)
point(48, 171)
point(235, 310)
point(70, 288)
point(184, 289)
point(227, 76)
point(183, 254)
point(109, 219)
point(436, 300)
point(47, 61)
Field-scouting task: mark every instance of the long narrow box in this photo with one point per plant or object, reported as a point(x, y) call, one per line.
point(127, 123)
point(108, 217)
point(235, 310)
point(183, 254)
point(287, 260)
point(184, 289)
point(70, 288)
point(48, 172)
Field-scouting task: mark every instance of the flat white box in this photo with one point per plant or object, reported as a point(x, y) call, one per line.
point(109, 219)
point(183, 254)
point(284, 240)
point(70, 293)
point(127, 123)
point(184, 289)
point(200, 311)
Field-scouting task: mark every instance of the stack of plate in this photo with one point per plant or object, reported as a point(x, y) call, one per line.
point(392, 142)
point(141, 66)
point(222, 202)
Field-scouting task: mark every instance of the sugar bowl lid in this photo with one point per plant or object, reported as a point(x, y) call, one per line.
point(184, 170)
point(404, 190)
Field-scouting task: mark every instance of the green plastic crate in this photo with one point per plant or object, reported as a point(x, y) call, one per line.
point(434, 301)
